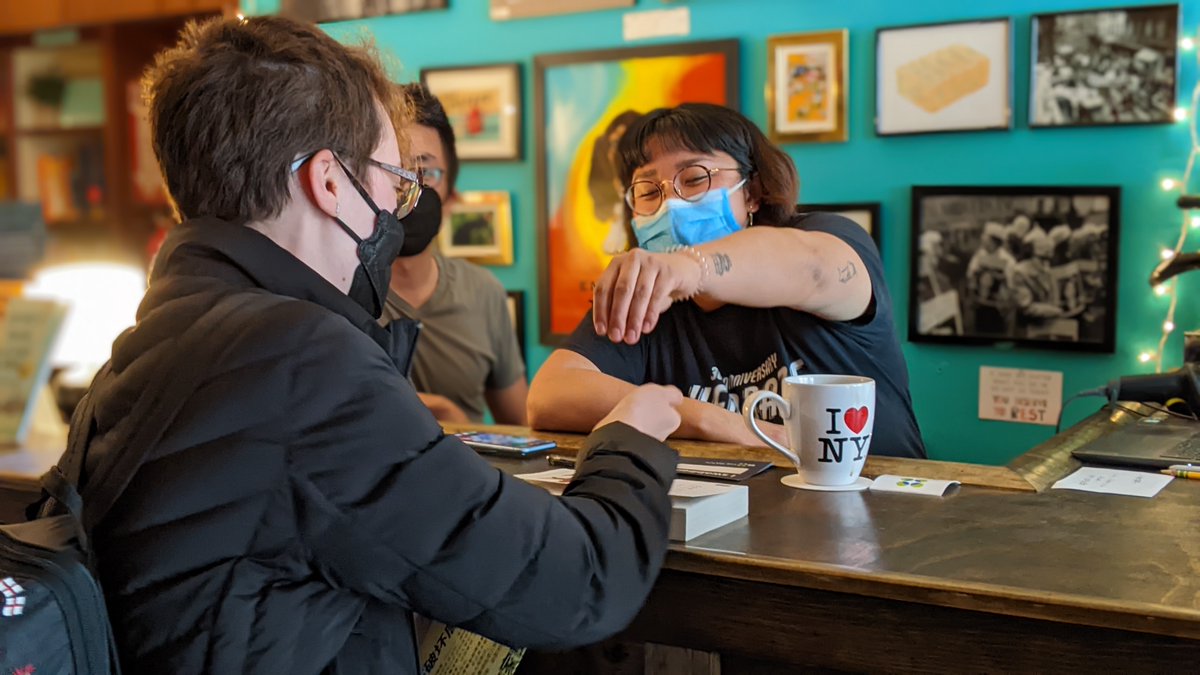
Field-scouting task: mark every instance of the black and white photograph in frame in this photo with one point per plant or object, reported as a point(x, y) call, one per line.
point(1035, 266)
point(1113, 66)
point(866, 214)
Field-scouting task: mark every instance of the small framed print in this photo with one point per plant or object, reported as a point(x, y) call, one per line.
point(483, 104)
point(478, 226)
point(1104, 67)
point(943, 77)
point(319, 11)
point(865, 214)
point(516, 312)
point(806, 87)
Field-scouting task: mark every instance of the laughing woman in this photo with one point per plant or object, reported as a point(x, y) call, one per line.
point(729, 291)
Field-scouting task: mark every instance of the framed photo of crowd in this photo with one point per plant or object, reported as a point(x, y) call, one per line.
point(584, 103)
point(1034, 266)
point(1112, 66)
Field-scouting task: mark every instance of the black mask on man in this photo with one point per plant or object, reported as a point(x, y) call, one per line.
point(423, 224)
point(376, 253)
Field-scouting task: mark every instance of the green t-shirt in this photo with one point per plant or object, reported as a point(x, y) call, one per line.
point(467, 344)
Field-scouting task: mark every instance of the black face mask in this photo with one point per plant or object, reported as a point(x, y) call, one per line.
point(423, 224)
point(375, 254)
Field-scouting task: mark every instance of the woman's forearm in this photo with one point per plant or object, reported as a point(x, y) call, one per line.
point(811, 272)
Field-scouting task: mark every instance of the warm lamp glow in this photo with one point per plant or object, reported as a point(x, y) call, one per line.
point(1145, 357)
point(101, 300)
point(1168, 184)
point(1180, 114)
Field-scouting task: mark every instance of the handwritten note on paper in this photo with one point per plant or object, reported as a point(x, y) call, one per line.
point(1014, 395)
point(1114, 482)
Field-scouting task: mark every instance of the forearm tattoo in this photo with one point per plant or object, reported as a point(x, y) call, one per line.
point(721, 263)
point(845, 274)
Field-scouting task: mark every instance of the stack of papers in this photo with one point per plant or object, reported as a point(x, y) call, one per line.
point(696, 506)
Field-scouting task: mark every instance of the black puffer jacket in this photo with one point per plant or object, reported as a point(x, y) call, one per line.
point(304, 501)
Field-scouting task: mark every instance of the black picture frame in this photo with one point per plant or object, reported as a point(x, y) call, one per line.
point(516, 312)
point(873, 209)
point(953, 299)
point(1091, 92)
point(885, 108)
point(511, 146)
point(559, 296)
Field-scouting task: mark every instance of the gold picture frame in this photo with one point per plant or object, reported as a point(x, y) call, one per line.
point(478, 226)
point(806, 87)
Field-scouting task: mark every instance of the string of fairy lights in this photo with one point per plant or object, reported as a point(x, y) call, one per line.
point(1188, 220)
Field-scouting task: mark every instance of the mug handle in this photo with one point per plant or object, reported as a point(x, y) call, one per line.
point(748, 414)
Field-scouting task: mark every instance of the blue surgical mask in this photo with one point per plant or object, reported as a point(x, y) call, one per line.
point(683, 223)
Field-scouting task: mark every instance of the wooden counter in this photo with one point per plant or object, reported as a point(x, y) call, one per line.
point(1005, 575)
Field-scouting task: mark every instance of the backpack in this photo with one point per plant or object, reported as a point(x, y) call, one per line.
point(53, 619)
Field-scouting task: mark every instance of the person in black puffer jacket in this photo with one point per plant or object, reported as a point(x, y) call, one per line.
point(304, 503)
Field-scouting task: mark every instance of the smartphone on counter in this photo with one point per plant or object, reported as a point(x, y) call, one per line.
point(505, 445)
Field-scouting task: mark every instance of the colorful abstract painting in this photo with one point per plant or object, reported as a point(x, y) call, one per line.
point(586, 100)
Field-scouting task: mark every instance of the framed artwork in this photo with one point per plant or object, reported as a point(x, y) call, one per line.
point(516, 312)
point(1112, 66)
point(319, 11)
point(865, 214)
point(943, 77)
point(478, 226)
point(1035, 266)
point(502, 10)
point(483, 104)
point(585, 101)
point(806, 87)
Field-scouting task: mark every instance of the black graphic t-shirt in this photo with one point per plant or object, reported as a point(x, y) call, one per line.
point(726, 355)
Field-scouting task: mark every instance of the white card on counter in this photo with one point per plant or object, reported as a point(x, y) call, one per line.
point(1014, 395)
point(912, 486)
point(1114, 482)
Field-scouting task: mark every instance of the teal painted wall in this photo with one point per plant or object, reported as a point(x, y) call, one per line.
point(945, 379)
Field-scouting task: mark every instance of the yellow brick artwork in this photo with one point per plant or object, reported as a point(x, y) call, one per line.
point(938, 79)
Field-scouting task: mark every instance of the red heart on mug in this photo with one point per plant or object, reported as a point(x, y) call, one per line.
point(856, 418)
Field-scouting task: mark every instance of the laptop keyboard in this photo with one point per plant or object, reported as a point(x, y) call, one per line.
point(1189, 450)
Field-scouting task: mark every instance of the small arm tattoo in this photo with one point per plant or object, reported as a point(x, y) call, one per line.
point(721, 263)
point(845, 274)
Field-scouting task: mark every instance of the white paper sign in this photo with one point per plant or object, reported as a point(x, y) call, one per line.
point(1013, 395)
point(657, 23)
point(1114, 482)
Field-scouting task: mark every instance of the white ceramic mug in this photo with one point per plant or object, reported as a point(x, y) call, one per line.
point(829, 421)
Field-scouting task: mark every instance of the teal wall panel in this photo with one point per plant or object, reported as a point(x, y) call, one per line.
point(867, 168)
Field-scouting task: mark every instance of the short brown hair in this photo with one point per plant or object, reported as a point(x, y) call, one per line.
point(707, 128)
point(237, 100)
point(428, 112)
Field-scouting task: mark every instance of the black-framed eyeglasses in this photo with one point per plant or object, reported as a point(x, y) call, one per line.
point(406, 183)
point(691, 183)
